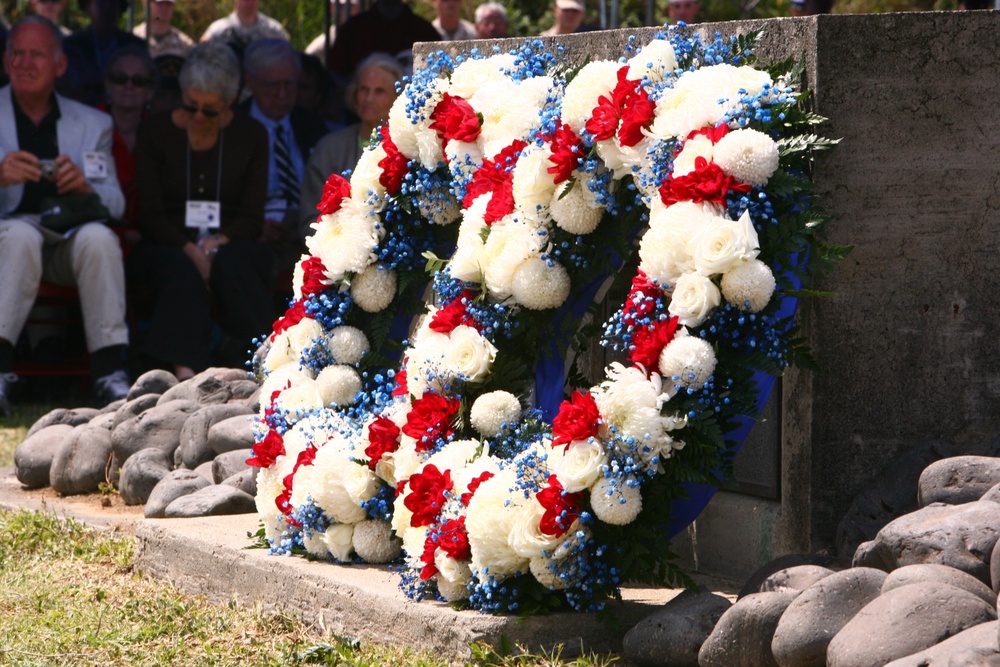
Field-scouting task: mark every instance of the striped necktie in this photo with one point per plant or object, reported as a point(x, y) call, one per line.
point(287, 176)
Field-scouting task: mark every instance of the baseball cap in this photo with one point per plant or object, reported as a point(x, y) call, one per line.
point(571, 4)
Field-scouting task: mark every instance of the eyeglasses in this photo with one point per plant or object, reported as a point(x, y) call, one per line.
point(120, 79)
point(205, 111)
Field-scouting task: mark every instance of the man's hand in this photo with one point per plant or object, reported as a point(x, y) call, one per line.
point(69, 177)
point(18, 167)
point(201, 260)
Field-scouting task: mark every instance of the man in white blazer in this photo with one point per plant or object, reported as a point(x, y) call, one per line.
point(54, 146)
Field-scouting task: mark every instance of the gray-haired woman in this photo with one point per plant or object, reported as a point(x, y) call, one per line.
point(202, 176)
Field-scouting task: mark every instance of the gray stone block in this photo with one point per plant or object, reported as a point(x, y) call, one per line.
point(243, 389)
point(141, 473)
point(673, 635)
point(906, 620)
point(152, 382)
point(231, 463)
point(245, 481)
point(175, 484)
point(81, 463)
point(231, 434)
point(194, 447)
point(135, 407)
point(795, 579)
point(73, 417)
point(955, 651)
point(158, 427)
point(213, 500)
point(33, 457)
point(209, 386)
point(958, 479)
point(760, 575)
point(959, 536)
point(742, 637)
point(912, 574)
point(819, 612)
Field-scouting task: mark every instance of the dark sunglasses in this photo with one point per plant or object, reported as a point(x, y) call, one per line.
point(205, 111)
point(120, 79)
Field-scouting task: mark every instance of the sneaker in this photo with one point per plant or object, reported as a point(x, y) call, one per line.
point(6, 380)
point(112, 387)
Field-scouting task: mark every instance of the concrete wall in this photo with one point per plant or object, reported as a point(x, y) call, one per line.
point(909, 343)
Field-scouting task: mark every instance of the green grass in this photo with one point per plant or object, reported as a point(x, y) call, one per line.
point(69, 596)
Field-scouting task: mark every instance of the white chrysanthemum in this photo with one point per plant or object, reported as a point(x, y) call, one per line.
point(347, 344)
point(426, 363)
point(366, 190)
point(452, 591)
point(414, 539)
point(315, 544)
point(405, 461)
point(493, 411)
point(270, 485)
point(581, 464)
point(338, 385)
point(526, 537)
point(402, 130)
point(593, 80)
point(687, 362)
point(345, 240)
point(429, 148)
point(282, 378)
point(374, 288)
point(693, 299)
point(615, 502)
point(508, 246)
point(454, 456)
point(548, 573)
point(655, 61)
point(470, 354)
point(438, 206)
point(463, 159)
point(510, 110)
point(722, 244)
point(540, 284)
point(749, 285)
point(699, 146)
point(301, 398)
point(665, 249)
point(336, 484)
point(466, 261)
point(538, 461)
point(630, 402)
point(533, 185)
point(474, 73)
point(578, 211)
point(491, 515)
point(338, 538)
point(374, 541)
point(747, 155)
point(464, 476)
point(702, 98)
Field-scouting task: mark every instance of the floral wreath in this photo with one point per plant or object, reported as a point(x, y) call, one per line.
point(536, 180)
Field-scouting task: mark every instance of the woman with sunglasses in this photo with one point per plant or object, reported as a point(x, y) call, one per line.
point(202, 176)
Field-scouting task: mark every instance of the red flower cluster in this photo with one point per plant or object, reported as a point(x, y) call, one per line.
point(641, 299)
point(267, 450)
point(427, 495)
point(454, 540)
point(454, 118)
point(401, 388)
point(394, 165)
point(714, 134)
point(648, 342)
point(383, 434)
point(706, 183)
point(627, 112)
point(578, 419)
point(561, 508)
point(313, 276)
point(429, 419)
point(295, 314)
point(496, 177)
point(566, 153)
point(473, 485)
point(335, 191)
point(455, 313)
point(283, 501)
point(427, 558)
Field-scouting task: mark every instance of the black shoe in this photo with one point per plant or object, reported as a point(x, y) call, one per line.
point(111, 387)
point(6, 380)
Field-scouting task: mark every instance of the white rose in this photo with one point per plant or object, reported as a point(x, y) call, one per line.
point(693, 299)
point(581, 465)
point(471, 355)
point(360, 482)
point(699, 146)
point(451, 570)
point(303, 335)
point(722, 244)
point(656, 61)
point(473, 73)
point(338, 538)
point(525, 537)
point(533, 185)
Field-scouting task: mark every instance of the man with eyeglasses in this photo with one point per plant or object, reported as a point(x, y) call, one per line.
point(53, 147)
point(271, 69)
point(163, 39)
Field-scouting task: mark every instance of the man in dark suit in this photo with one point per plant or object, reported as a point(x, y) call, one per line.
point(271, 69)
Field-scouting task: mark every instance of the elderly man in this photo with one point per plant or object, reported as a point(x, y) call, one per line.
point(271, 69)
point(53, 147)
point(491, 21)
point(569, 17)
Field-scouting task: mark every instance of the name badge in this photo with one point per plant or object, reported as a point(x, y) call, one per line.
point(95, 165)
point(202, 215)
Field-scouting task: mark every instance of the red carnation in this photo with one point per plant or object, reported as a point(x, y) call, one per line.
point(496, 177)
point(455, 313)
point(629, 107)
point(427, 558)
point(566, 153)
point(283, 501)
point(429, 419)
point(401, 388)
point(641, 299)
point(427, 495)
point(648, 342)
point(335, 191)
point(561, 508)
point(473, 485)
point(295, 314)
point(603, 121)
point(706, 183)
point(394, 165)
point(267, 450)
point(637, 115)
point(314, 278)
point(577, 419)
point(383, 434)
point(454, 118)
point(714, 134)
point(453, 539)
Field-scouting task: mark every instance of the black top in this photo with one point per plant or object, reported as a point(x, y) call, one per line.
point(42, 141)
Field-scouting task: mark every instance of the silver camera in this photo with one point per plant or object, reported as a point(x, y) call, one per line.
point(48, 168)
